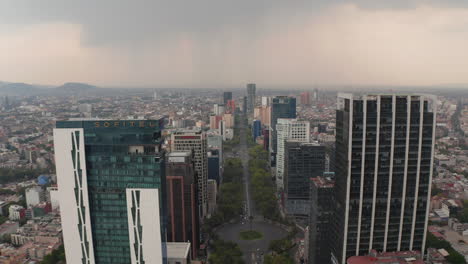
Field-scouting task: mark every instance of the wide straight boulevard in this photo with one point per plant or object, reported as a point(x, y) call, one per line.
point(253, 250)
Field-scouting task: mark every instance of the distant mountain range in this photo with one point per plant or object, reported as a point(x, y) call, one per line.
point(76, 87)
point(7, 88)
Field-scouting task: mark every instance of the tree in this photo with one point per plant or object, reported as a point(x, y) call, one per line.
point(453, 258)
point(226, 253)
point(6, 238)
point(435, 191)
point(280, 245)
point(278, 259)
point(57, 256)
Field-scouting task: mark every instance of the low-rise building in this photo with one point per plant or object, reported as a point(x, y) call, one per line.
point(40, 230)
point(400, 257)
point(178, 253)
point(16, 212)
point(8, 227)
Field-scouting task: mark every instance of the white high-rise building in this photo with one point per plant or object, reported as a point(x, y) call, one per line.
point(54, 197)
point(218, 109)
point(109, 176)
point(266, 101)
point(288, 129)
point(15, 212)
point(34, 196)
point(195, 140)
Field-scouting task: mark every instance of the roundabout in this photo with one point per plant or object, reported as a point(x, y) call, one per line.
point(250, 235)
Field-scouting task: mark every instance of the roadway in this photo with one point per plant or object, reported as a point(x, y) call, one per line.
point(253, 250)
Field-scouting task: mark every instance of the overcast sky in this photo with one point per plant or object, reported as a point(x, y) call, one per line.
point(227, 43)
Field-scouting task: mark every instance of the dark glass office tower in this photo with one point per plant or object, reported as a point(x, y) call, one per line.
point(111, 181)
point(251, 90)
point(183, 218)
point(281, 107)
point(384, 154)
point(322, 207)
point(302, 162)
point(227, 96)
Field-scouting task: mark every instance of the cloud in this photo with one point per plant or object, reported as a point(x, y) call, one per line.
point(183, 44)
point(124, 22)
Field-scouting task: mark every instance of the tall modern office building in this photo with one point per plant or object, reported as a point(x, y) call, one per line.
point(251, 89)
point(195, 141)
point(183, 220)
point(305, 98)
point(111, 181)
point(384, 157)
point(281, 107)
point(227, 96)
point(322, 209)
point(302, 161)
point(256, 129)
point(214, 168)
point(288, 129)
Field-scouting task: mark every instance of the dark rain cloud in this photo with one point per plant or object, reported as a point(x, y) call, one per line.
point(125, 22)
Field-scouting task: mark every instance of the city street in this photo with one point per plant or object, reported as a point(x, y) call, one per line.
point(253, 250)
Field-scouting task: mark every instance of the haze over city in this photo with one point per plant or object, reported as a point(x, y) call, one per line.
point(234, 132)
point(223, 44)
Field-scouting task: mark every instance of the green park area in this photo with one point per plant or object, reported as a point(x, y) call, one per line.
point(250, 235)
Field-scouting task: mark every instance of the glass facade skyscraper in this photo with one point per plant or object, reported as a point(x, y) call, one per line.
point(302, 161)
point(251, 90)
point(227, 96)
point(111, 181)
point(288, 129)
point(281, 107)
point(384, 157)
point(322, 208)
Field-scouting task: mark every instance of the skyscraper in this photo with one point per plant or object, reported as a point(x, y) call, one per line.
point(112, 190)
point(321, 212)
point(212, 193)
point(214, 168)
point(266, 139)
point(384, 157)
point(305, 98)
point(227, 96)
point(281, 107)
point(230, 106)
point(266, 101)
point(288, 129)
point(195, 141)
point(256, 129)
point(302, 161)
point(183, 218)
point(251, 89)
point(263, 113)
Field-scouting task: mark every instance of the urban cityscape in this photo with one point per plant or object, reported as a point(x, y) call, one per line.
point(234, 132)
point(193, 176)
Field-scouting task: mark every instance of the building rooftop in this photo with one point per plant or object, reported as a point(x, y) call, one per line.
point(399, 257)
point(323, 182)
point(178, 249)
point(179, 154)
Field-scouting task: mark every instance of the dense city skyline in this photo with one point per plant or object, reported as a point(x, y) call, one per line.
point(234, 132)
